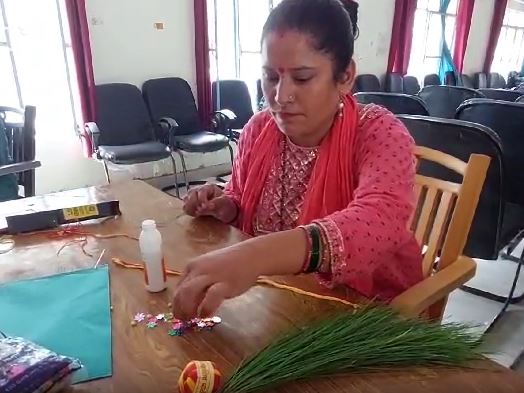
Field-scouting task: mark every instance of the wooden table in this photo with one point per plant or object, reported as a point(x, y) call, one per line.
point(151, 361)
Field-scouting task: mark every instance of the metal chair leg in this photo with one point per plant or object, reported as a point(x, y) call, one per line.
point(231, 154)
point(220, 178)
point(106, 169)
point(184, 169)
point(173, 161)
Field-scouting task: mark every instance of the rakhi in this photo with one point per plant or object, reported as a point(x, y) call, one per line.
point(260, 281)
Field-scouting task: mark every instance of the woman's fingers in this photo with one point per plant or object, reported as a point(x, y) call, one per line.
point(189, 295)
point(199, 202)
point(214, 297)
point(191, 203)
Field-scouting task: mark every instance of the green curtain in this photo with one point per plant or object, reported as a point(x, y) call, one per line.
point(446, 60)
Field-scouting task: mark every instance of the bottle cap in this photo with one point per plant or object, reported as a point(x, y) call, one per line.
point(149, 224)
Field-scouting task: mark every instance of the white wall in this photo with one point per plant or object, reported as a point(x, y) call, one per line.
point(375, 20)
point(127, 48)
point(478, 36)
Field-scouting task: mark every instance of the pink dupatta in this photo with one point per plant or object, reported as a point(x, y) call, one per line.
point(331, 185)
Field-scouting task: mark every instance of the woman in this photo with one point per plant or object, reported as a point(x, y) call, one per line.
point(323, 184)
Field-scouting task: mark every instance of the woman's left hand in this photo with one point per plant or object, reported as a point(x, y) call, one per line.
point(212, 278)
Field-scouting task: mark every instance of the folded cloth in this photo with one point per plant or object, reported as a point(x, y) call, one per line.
point(29, 368)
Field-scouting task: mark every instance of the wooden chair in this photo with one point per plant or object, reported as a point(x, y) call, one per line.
point(441, 222)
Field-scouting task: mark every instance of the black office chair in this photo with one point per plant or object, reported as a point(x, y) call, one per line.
point(496, 81)
point(501, 94)
point(431, 80)
point(260, 96)
point(172, 105)
point(122, 132)
point(506, 119)
point(480, 80)
point(233, 95)
point(466, 81)
point(367, 82)
point(411, 85)
point(19, 129)
point(443, 101)
point(394, 83)
point(394, 102)
point(461, 139)
point(450, 79)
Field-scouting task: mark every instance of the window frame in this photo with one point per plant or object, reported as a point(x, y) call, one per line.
point(508, 29)
point(214, 52)
point(7, 44)
point(429, 14)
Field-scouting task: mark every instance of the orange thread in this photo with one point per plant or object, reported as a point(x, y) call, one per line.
point(260, 281)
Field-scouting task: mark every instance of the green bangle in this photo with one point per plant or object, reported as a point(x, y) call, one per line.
point(316, 246)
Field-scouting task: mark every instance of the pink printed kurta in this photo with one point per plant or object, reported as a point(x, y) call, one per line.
point(370, 248)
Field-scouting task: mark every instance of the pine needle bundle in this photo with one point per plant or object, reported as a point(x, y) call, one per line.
point(369, 339)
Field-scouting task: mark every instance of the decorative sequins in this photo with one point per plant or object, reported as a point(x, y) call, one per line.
point(175, 326)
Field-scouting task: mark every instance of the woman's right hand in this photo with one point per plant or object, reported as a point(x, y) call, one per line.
point(209, 200)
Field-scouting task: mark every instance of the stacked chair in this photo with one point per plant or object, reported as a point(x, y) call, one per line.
point(443, 101)
point(395, 102)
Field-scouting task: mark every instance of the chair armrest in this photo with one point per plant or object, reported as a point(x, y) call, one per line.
point(94, 133)
point(222, 120)
point(19, 167)
point(169, 121)
point(168, 128)
point(415, 300)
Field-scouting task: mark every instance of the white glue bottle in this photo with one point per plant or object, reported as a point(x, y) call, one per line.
point(150, 242)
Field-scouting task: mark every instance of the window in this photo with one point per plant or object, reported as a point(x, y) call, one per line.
point(427, 42)
point(235, 28)
point(9, 88)
point(36, 64)
point(509, 54)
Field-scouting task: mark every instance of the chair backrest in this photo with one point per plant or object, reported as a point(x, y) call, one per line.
point(445, 209)
point(466, 81)
point(431, 80)
point(121, 115)
point(367, 82)
point(411, 85)
point(394, 83)
point(480, 80)
point(461, 139)
point(233, 95)
point(20, 132)
point(496, 81)
point(443, 101)
point(506, 119)
point(501, 94)
point(260, 93)
point(450, 79)
point(394, 102)
point(172, 97)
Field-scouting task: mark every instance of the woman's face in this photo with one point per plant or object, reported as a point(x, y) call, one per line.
point(299, 86)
